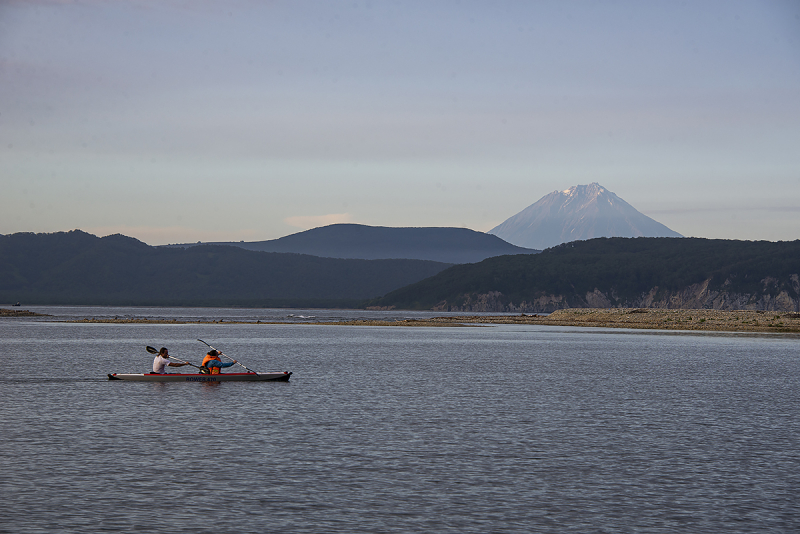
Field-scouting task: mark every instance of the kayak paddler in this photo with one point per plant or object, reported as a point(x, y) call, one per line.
point(213, 364)
point(161, 361)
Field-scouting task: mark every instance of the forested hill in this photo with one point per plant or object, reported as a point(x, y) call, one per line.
point(79, 268)
point(358, 241)
point(618, 272)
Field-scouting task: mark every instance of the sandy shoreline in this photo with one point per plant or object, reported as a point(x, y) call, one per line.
point(19, 313)
point(662, 319)
point(657, 319)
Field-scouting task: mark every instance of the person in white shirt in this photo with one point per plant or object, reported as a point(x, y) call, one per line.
point(161, 361)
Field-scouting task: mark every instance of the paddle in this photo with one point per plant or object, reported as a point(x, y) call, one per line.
point(152, 350)
point(231, 359)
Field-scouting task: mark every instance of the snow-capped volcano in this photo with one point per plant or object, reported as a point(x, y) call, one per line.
point(580, 212)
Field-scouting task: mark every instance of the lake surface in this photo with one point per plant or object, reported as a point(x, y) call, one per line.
point(399, 429)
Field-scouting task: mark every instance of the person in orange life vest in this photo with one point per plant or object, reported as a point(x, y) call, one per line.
point(213, 363)
point(161, 361)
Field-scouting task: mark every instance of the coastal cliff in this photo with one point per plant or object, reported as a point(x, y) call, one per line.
point(658, 273)
point(777, 295)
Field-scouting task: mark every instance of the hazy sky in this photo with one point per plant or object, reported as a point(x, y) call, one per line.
point(175, 121)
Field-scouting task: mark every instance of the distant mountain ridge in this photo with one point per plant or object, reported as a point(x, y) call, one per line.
point(578, 213)
point(358, 241)
point(79, 268)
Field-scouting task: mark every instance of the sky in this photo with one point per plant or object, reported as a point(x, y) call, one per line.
point(181, 121)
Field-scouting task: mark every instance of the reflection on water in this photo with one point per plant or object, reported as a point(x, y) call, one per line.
point(491, 429)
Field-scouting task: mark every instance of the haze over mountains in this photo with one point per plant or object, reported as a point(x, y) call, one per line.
point(453, 269)
point(578, 213)
point(358, 241)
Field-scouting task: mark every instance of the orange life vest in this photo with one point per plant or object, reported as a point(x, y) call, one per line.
point(208, 358)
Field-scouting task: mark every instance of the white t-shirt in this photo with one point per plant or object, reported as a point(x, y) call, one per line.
point(159, 364)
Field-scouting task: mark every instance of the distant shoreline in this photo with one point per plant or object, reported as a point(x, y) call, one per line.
point(638, 318)
point(19, 313)
point(660, 319)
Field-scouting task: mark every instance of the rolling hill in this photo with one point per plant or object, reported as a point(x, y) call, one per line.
point(357, 241)
point(79, 268)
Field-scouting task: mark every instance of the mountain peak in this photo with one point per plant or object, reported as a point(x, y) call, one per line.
point(592, 190)
point(580, 212)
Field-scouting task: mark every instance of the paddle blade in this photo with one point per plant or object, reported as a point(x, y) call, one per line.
point(151, 350)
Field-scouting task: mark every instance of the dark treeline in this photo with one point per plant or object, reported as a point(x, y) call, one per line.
point(623, 269)
point(79, 268)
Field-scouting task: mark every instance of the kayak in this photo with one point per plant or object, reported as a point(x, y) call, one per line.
point(198, 377)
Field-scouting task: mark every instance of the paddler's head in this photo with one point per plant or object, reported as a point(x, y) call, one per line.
point(164, 352)
point(213, 352)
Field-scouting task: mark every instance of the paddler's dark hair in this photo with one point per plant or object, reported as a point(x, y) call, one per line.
point(213, 352)
point(163, 350)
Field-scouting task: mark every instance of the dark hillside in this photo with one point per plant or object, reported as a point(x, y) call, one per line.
point(79, 268)
point(610, 272)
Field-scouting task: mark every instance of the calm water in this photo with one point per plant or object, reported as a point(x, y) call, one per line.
point(489, 429)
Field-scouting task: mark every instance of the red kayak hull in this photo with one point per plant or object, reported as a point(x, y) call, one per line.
point(197, 377)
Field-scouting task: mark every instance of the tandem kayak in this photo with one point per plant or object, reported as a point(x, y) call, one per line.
point(198, 377)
